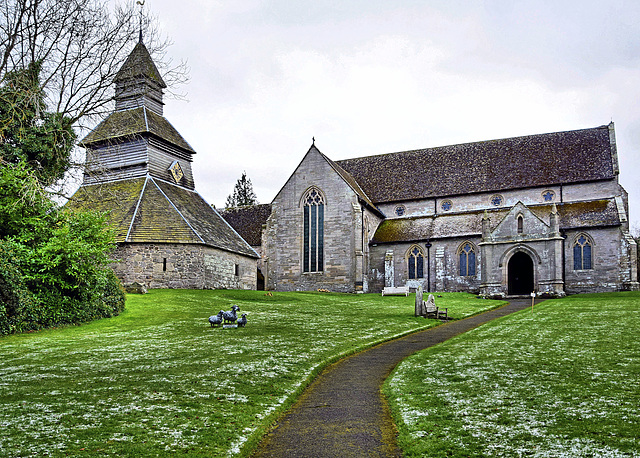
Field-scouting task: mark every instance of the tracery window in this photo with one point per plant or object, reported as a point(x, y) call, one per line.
point(548, 195)
point(400, 209)
point(467, 257)
point(496, 200)
point(313, 227)
point(415, 263)
point(447, 205)
point(582, 253)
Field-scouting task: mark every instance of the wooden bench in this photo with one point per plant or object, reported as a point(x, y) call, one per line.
point(434, 312)
point(395, 291)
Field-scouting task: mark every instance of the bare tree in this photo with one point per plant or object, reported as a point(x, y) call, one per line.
point(81, 45)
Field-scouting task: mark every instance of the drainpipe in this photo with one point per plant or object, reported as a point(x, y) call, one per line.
point(564, 260)
point(428, 246)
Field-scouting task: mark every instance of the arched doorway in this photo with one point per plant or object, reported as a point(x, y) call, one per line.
point(520, 272)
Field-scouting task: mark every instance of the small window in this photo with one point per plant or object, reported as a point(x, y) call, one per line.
point(467, 256)
point(548, 196)
point(415, 263)
point(400, 210)
point(447, 205)
point(237, 270)
point(164, 264)
point(520, 224)
point(582, 253)
point(496, 200)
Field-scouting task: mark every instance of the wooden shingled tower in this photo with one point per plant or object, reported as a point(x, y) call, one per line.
point(138, 168)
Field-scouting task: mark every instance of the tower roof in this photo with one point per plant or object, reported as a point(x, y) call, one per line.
point(148, 210)
point(139, 63)
point(137, 121)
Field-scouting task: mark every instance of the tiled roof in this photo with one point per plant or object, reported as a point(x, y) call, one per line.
point(535, 160)
point(248, 221)
point(573, 215)
point(136, 121)
point(352, 183)
point(147, 210)
point(139, 63)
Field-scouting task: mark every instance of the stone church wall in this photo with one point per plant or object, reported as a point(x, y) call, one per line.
point(443, 274)
point(183, 266)
point(283, 234)
point(610, 263)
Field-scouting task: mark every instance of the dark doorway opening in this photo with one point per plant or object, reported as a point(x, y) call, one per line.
point(520, 274)
point(260, 282)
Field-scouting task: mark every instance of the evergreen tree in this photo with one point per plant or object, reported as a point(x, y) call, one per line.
point(53, 263)
point(30, 134)
point(243, 194)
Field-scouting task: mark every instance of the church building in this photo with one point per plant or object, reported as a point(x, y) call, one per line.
point(138, 170)
point(541, 213)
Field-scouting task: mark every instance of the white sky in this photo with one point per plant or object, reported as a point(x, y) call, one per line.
point(371, 76)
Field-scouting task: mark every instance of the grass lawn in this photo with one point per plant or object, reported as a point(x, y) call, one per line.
point(158, 380)
point(561, 381)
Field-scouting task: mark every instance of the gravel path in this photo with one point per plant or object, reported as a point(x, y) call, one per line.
point(343, 413)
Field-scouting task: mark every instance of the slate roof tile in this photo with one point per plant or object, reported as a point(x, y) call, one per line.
point(495, 165)
point(248, 221)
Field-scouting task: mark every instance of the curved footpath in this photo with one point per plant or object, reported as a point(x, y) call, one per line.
point(343, 412)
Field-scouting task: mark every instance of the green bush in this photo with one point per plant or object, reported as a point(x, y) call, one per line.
point(16, 301)
point(54, 264)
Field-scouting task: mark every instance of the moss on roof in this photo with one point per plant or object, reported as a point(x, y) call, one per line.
point(139, 63)
point(136, 121)
point(572, 215)
point(146, 210)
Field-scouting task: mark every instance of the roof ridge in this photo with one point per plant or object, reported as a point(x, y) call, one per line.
point(135, 212)
point(178, 211)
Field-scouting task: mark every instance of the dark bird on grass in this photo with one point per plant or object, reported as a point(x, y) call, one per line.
point(231, 317)
point(242, 322)
point(216, 320)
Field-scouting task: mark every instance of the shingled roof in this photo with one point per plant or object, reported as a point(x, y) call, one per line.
point(495, 165)
point(136, 121)
point(247, 221)
point(148, 210)
point(140, 63)
point(575, 215)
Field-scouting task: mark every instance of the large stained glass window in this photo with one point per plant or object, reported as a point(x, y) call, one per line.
point(582, 253)
point(313, 237)
point(467, 260)
point(415, 262)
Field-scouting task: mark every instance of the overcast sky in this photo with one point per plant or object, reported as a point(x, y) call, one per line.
point(369, 77)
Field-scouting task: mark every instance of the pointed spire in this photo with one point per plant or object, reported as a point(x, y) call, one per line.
point(141, 3)
point(138, 82)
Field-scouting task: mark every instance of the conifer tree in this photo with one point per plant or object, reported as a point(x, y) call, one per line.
point(243, 194)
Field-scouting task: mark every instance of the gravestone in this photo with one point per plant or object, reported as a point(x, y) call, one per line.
point(419, 305)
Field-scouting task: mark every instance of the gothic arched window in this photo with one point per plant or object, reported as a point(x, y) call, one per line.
point(467, 256)
point(415, 263)
point(582, 253)
point(520, 224)
point(313, 227)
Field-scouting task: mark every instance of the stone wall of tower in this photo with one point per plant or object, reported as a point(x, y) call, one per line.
point(183, 266)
